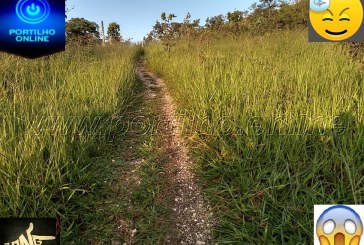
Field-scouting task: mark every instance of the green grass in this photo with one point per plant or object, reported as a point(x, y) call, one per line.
point(141, 185)
point(276, 124)
point(56, 114)
point(151, 210)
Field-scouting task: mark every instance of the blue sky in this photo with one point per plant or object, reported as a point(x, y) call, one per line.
point(136, 17)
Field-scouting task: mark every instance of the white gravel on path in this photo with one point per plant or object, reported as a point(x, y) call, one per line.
point(192, 214)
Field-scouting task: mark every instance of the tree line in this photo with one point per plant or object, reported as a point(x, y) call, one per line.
point(83, 31)
point(261, 17)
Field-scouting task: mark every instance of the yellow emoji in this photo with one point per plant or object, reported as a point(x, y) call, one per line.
point(339, 225)
point(340, 21)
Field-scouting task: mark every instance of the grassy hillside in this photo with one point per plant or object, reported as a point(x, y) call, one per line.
point(276, 124)
point(56, 115)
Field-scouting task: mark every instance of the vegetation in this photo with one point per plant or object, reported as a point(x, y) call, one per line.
point(265, 16)
point(82, 31)
point(273, 133)
point(113, 32)
point(57, 115)
point(145, 207)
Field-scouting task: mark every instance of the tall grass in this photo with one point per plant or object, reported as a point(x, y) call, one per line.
point(56, 113)
point(276, 124)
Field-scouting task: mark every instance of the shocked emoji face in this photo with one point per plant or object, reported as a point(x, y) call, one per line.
point(339, 225)
point(340, 21)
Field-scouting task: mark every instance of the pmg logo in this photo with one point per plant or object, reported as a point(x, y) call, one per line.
point(33, 11)
point(32, 28)
point(29, 231)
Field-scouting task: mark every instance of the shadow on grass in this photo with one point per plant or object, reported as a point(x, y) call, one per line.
point(264, 185)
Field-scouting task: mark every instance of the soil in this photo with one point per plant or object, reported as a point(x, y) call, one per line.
point(192, 216)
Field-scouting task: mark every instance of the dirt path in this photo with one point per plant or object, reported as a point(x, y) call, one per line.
point(192, 217)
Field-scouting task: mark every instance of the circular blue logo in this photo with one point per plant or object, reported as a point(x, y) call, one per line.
point(33, 11)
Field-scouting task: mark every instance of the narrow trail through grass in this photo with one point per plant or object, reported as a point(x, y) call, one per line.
point(191, 215)
point(138, 178)
point(274, 127)
point(160, 203)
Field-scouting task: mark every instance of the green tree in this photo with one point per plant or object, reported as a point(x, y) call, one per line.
point(113, 32)
point(82, 30)
point(236, 16)
point(291, 15)
point(236, 22)
point(166, 31)
point(216, 22)
point(189, 27)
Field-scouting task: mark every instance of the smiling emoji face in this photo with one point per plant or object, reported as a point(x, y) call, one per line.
point(340, 21)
